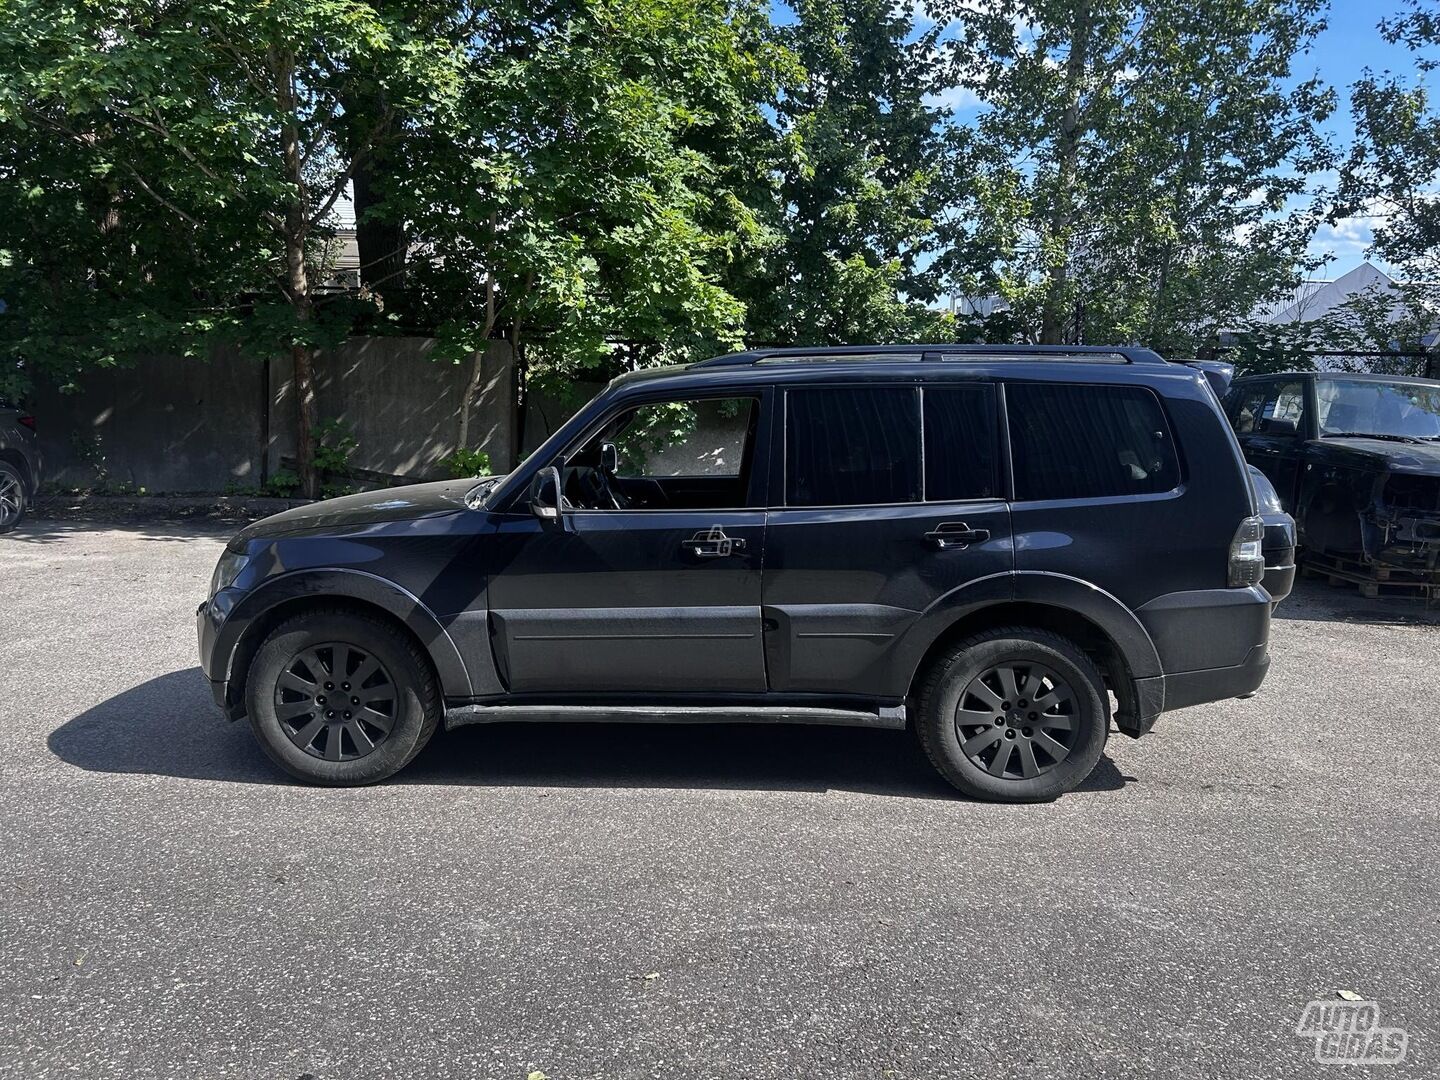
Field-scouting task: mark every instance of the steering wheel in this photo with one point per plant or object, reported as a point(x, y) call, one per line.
point(599, 481)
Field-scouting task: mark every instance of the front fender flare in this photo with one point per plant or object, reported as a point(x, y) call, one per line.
point(356, 585)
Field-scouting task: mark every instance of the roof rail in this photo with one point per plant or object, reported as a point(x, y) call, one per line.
point(1115, 354)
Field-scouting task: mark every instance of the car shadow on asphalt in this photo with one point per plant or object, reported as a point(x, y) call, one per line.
point(168, 726)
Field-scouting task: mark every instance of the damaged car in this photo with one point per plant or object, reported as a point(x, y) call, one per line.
point(1356, 460)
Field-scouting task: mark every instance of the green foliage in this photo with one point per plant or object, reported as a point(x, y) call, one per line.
point(1144, 160)
point(862, 179)
point(465, 462)
point(334, 443)
point(283, 484)
point(611, 184)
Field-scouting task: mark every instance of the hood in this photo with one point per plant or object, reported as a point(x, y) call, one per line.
point(367, 508)
point(1383, 453)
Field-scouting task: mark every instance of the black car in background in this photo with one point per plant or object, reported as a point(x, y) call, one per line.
point(19, 464)
point(1355, 460)
point(986, 542)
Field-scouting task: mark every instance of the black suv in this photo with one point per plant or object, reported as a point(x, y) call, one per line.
point(987, 543)
point(19, 464)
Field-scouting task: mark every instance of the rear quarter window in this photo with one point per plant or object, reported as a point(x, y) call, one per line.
point(1073, 441)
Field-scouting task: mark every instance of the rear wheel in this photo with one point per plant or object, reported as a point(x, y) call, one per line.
point(14, 499)
point(1014, 715)
point(341, 699)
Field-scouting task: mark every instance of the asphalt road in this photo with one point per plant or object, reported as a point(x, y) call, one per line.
point(741, 902)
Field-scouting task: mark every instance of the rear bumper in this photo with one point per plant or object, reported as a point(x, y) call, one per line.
point(1217, 684)
point(1213, 644)
point(1278, 547)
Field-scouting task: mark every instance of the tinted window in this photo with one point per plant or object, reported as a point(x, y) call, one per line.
point(852, 447)
point(959, 443)
point(1074, 442)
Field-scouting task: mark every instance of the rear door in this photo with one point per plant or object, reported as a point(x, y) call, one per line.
point(889, 498)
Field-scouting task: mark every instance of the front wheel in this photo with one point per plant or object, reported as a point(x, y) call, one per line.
point(13, 497)
point(341, 699)
point(1014, 715)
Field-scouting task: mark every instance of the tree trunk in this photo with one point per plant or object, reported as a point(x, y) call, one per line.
point(381, 243)
point(477, 359)
point(1067, 152)
point(297, 281)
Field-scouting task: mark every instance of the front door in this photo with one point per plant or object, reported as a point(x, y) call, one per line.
point(882, 517)
point(1270, 422)
point(650, 581)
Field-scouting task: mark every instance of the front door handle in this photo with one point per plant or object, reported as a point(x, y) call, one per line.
point(956, 534)
point(712, 543)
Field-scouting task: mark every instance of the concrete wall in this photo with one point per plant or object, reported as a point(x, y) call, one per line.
point(173, 425)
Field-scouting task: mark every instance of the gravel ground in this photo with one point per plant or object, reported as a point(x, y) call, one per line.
point(685, 902)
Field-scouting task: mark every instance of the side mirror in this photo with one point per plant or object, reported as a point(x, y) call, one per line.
point(545, 495)
point(609, 458)
point(1281, 427)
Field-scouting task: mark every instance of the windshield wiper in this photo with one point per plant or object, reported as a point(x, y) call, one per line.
point(1369, 435)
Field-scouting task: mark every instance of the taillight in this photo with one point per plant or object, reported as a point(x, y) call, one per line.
point(1247, 561)
point(28, 421)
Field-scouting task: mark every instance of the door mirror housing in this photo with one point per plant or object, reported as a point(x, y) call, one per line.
point(545, 498)
point(1281, 427)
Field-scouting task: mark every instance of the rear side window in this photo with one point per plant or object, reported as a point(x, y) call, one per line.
point(852, 446)
point(959, 443)
point(1088, 442)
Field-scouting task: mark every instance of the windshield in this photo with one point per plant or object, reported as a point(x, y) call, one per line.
point(1370, 407)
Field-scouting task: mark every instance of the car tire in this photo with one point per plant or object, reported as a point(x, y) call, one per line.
point(341, 699)
point(14, 498)
point(1030, 739)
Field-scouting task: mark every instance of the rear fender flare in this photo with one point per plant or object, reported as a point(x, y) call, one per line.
point(1040, 588)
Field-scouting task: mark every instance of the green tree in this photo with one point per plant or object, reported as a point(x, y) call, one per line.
point(1393, 169)
point(858, 159)
point(1151, 157)
point(194, 155)
point(591, 188)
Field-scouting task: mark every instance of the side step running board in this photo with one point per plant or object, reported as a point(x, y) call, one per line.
point(883, 717)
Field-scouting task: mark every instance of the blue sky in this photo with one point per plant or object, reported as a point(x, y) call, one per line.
point(1351, 43)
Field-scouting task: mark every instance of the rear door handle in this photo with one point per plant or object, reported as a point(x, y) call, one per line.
point(956, 534)
point(712, 543)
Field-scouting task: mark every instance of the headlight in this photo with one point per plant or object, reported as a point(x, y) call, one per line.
point(227, 570)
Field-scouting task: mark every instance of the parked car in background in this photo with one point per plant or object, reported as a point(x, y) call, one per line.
point(19, 464)
point(1356, 461)
point(1279, 543)
point(987, 542)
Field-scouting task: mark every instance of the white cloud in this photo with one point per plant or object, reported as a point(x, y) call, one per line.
point(956, 98)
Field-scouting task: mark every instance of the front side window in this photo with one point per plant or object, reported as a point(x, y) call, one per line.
point(1286, 404)
point(852, 446)
point(1244, 403)
point(1073, 441)
point(688, 454)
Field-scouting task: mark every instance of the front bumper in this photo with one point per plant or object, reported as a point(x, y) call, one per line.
point(209, 618)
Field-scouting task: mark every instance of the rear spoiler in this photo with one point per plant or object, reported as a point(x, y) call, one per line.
point(1217, 372)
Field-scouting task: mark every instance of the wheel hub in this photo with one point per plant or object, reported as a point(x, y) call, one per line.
point(1017, 720)
point(335, 701)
